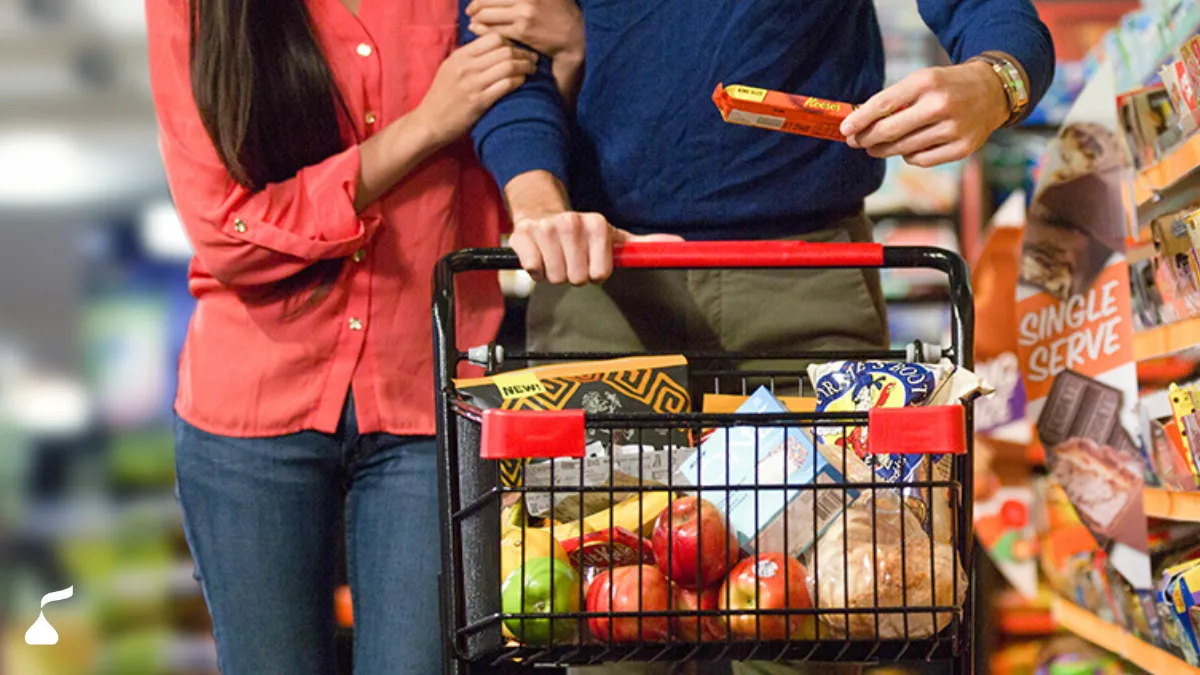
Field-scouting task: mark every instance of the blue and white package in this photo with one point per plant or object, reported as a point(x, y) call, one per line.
point(745, 456)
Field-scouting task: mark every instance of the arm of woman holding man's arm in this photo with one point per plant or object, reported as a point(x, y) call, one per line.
point(246, 237)
point(552, 27)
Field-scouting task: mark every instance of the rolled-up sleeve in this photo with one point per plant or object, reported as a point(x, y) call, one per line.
point(244, 237)
point(968, 28)
point(524, 131)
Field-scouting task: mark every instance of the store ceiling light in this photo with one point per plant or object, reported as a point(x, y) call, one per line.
point(126, 18)
point(36, 166)
point(162, 233)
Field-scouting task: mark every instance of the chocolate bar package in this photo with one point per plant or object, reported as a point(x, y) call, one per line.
point(1090, 455)
point(779, 111)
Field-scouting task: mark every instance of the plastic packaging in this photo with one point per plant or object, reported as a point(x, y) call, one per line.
point(878, 556)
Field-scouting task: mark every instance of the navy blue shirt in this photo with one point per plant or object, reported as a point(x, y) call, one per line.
point(648, 148)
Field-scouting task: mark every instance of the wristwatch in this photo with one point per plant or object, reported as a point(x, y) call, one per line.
point(1014, 84)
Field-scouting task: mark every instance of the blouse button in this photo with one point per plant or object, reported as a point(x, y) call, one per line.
point(355, 324)
point(370, 118)
point(364, 50)
point(239, 225)
point(359, 255)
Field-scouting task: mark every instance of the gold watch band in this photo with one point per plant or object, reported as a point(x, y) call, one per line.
point(1015, 88)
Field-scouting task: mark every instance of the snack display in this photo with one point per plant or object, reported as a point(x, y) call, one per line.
point(1094, 459)
point(886, 552)
point(777, 111)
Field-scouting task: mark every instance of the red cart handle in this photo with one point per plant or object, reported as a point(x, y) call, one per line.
point(726, 254)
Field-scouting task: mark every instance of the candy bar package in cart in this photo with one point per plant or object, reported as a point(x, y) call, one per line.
point(826, 525)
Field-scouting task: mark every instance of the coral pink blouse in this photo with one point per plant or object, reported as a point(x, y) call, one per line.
point(245, 371)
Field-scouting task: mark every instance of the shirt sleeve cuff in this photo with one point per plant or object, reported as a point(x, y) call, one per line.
point(1035, 53)
point(510, 151)
point(319, 201)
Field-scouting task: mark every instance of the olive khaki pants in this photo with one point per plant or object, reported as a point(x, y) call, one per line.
point(763, 311)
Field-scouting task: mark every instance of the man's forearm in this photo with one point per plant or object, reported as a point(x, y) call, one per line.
point(535, 194)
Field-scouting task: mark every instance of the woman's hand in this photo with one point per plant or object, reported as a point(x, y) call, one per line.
point(552, 27)
point(932, 117)
point(469, 81)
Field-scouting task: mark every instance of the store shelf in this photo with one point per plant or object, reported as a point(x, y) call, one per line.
point(1167, 505)
point(905, 217)
point(1181, 193)
point(1169, 171)
point(1116, 640)
point(1160, 341)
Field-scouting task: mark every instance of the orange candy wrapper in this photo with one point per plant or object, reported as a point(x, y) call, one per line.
point(777, 111)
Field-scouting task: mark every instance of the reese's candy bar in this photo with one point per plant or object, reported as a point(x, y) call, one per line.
point(775, 110)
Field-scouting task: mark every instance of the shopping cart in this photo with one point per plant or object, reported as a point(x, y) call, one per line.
point(473, 490)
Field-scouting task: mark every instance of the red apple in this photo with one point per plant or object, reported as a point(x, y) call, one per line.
point(768, 581)
point(681, 531)
point(619, 590)
point(697, 628)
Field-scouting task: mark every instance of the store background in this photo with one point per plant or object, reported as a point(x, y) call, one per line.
point(93, 307)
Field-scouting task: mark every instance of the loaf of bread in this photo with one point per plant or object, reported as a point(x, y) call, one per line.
point(876, 556)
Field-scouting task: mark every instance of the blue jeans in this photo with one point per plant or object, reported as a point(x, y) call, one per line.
point(262, 515)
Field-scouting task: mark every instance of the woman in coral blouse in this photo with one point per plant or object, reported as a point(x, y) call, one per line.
point(314, 152)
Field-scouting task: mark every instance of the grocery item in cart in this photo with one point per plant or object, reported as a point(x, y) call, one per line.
point(614, 547)
point(541, 586)
point(624, 466)
point(643, 384)
point(858, 386)
point(877, 556)
point(748, 456)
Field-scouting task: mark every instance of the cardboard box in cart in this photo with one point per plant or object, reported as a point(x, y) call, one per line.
point(748, 456)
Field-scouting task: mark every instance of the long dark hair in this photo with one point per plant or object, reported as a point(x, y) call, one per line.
point(269, 102)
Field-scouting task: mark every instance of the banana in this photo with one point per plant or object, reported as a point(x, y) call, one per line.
point(637, 514)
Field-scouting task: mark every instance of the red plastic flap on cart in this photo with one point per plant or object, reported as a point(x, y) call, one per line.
point(933, 430)
point(710, 254)
point(532, 434)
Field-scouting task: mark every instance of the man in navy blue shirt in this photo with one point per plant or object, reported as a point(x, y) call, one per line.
point(645, 153)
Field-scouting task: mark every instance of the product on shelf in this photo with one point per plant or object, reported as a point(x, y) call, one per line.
point(1003, 525)
point(878, 555)
point(1149, 123)
point(994, 279)
point(1074, 656)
